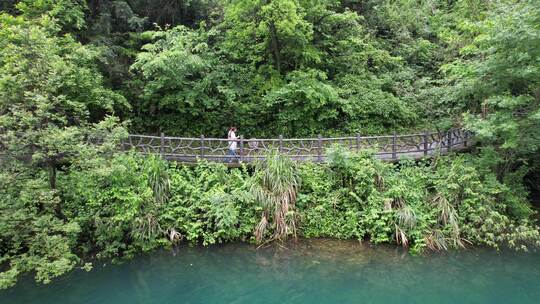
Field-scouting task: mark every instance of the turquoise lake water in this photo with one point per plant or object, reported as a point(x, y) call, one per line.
point(313, 271)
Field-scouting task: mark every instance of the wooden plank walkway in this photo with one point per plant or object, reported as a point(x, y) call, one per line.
point(386, 147)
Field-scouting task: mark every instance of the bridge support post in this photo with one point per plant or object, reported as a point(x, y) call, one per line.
point(162, 145)
point(202, 146)
point(319, 148)
point(426, 136)
point(464, 138)
point(280, 144)
point(394, 148)
point(449, 142)
point(241, 148)
point(357, 143)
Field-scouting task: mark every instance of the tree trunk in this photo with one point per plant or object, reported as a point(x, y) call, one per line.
point(52, 175)
point(275, 46)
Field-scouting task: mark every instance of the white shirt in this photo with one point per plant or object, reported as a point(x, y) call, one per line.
point(232, 143)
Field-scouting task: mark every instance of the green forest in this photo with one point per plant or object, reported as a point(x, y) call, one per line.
point(76, 72)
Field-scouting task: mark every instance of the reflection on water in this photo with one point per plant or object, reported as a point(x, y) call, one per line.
point(311, 271)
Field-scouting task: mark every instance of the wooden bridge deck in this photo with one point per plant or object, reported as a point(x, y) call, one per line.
point(386, 147)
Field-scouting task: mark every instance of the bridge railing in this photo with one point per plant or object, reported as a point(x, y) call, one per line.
point(387, 147)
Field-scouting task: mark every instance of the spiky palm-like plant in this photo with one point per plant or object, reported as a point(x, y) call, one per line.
point(405, 221)
point(448, 216)
point(158, 178)
point(146, 225)
point(436, 240)
point(274, 186)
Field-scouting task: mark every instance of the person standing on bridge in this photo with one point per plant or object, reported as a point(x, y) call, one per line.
point(233, 142)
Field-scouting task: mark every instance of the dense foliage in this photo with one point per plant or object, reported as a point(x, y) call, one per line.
point(293, 67)
point(302, 67)
point(445, 204)
point(116, 207)
point(77, 76)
